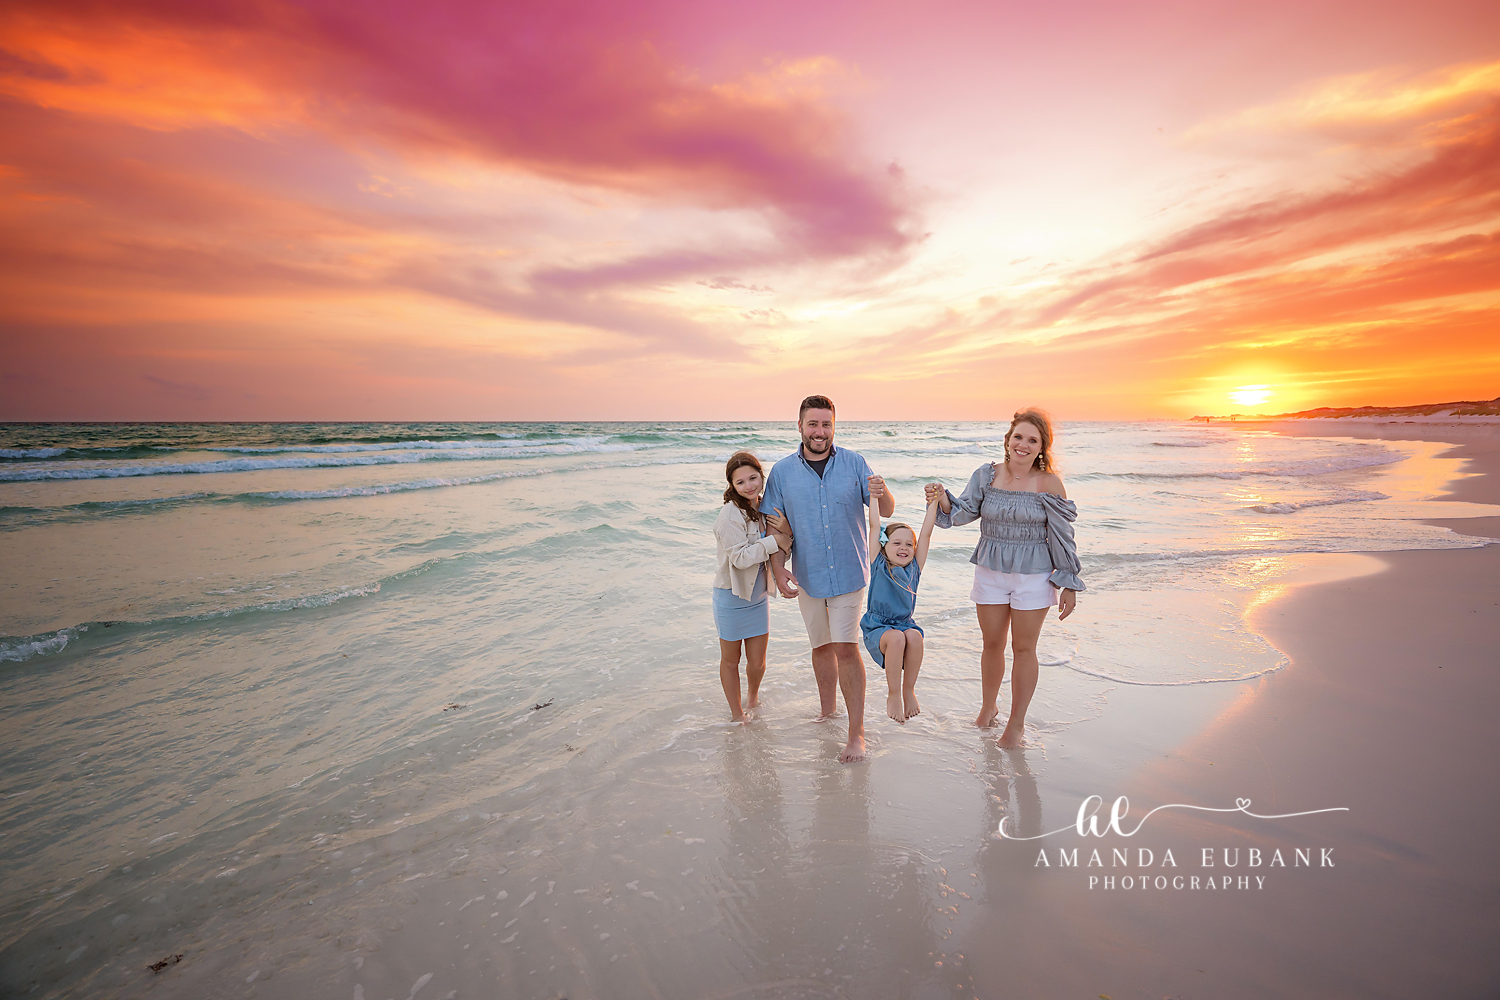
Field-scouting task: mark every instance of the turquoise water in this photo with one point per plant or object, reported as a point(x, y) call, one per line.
point(270, 698)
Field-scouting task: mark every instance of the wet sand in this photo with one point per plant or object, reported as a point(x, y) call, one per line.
point(671, 855)
point(1387, 710)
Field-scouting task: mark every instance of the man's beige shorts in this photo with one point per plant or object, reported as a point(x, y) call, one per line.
point(832, 619)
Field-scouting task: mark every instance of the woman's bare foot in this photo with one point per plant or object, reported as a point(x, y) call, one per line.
point(910, 699)
point(1011, 738)
point(853, 750)
point(894, 709)
point(737, 717)
point(987, 717)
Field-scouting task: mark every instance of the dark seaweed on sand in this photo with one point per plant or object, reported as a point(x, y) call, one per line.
point(169, 960)
point(538, 708)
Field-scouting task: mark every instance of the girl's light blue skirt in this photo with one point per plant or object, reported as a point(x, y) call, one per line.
point(736, 619)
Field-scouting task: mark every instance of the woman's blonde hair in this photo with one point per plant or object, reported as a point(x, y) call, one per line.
point(1043, 423)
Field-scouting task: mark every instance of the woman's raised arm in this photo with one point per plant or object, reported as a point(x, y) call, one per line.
point(955, 510)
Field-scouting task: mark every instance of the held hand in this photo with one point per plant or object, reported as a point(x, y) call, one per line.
point(935, 493)
point(877, 487)
point(1066, 601)
point(786, 584)
point(777, 524)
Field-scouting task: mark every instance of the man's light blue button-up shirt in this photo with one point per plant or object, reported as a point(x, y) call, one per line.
point(830, 529)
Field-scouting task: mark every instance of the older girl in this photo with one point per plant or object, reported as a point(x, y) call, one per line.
point(741, 611)
point(1026, 560)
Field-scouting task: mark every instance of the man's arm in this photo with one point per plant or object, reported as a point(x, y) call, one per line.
point(771, 500)
point(786, 583)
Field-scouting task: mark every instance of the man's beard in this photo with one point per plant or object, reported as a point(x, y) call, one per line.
point(827, 445)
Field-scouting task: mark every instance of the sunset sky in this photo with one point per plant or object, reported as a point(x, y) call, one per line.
point(703, 210)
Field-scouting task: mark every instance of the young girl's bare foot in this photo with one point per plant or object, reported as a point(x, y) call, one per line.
point(894, 708)
point(1011, 738)
point(853, 750)
point(987, 717)
point(910, 700)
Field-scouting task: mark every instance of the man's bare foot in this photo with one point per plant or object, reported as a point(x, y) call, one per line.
point(987, 717)
point(894, 709)
point(1011, 738)
point(912, 708)
point(853, 750)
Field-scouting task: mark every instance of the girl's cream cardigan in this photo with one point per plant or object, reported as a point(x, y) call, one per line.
point(742, 550)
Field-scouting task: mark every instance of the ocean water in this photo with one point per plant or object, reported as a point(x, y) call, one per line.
point(374, 710)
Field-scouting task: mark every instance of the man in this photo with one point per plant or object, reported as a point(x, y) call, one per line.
point(822, 491)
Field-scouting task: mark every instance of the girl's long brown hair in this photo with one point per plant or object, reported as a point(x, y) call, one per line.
point(739, 460)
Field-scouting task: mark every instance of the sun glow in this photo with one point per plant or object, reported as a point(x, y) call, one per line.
point(1251, 395)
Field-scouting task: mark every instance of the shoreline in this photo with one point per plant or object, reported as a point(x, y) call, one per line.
point(659, 851)
point(1383, 711)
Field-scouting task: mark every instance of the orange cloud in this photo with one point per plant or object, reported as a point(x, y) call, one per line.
point(575, 93)
point(1387, 282)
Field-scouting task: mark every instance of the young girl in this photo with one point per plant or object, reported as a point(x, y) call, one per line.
point(892, 637)
point(741, 611)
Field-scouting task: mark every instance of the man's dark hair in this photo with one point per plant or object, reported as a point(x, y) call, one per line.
point(815, 403)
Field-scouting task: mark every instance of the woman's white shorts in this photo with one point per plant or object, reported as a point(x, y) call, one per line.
point(1022, 591)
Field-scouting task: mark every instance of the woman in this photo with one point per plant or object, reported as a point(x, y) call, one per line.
point(1025, 562)
point(741, 611)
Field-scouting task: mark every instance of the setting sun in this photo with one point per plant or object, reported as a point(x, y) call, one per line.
point(1251, 395)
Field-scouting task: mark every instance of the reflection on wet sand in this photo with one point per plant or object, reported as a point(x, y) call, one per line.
point(828, 911)
point(1011, 797)
point(1003, 942)
point(1009, 777)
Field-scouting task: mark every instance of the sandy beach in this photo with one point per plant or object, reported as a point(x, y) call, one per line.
point(335, 718)
point(391, 412)
point(1386, 710)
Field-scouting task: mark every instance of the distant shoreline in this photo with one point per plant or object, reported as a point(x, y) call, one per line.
point(1430, 411)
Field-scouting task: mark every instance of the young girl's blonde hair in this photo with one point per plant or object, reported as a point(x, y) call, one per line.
point(887, 532)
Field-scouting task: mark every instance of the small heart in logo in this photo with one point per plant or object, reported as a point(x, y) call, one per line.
point(1242, 803)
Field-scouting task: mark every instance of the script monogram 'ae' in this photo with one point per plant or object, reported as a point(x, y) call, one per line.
point(1087, 823)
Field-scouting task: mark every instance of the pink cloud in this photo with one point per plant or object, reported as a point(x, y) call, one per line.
point(575, 91)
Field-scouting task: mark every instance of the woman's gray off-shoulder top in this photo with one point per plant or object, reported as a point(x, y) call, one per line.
point(1019, 532)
